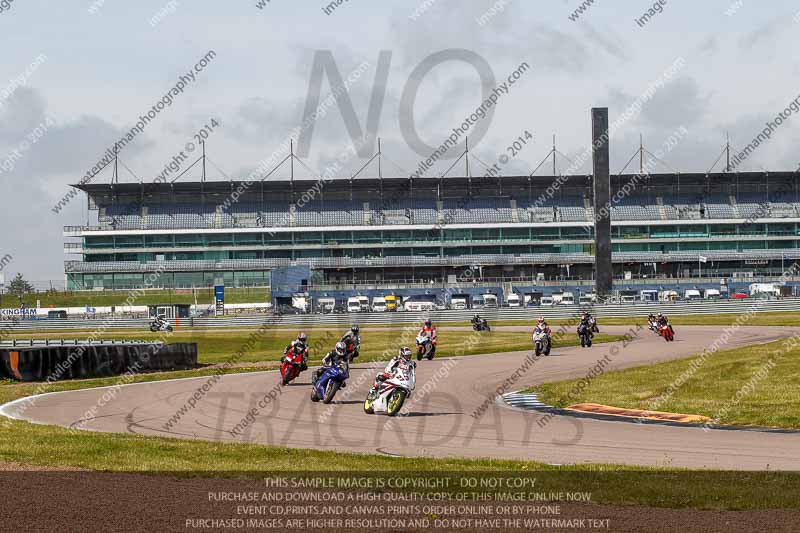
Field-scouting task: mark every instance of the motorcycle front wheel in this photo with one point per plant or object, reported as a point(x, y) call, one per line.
point(330, 392)
point(395, 402)
point(368, 408)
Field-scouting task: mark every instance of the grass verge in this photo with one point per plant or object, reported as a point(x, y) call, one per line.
point(217, 346)
point(757, 385)
point(33, 444)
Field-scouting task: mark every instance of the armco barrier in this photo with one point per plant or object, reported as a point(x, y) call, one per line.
point(344, 319)
point(53, 362)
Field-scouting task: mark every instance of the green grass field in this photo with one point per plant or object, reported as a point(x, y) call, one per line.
point(32, 444)
point(217, 346)
point(150, 297)
point(757, 385)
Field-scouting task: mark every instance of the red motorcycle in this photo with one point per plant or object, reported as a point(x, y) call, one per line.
point(293, 364)
point(667, 332)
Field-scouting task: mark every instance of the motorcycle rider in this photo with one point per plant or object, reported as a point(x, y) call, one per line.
point(352, 338)
point(402, 359)
point(335, 356)
point(662, 321)
point(300, 344)
point(477, 321)
point(588, 320)
point(542, 325)
point(160, 323)
point(429, 329)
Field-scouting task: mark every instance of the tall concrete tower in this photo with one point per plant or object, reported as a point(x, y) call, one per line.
point(602, 203)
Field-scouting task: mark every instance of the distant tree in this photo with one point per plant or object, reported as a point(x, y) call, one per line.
point(19, 285)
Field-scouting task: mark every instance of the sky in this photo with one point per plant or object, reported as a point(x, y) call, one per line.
point(76, 76)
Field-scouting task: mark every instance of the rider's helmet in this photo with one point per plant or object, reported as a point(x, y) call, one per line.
point(585, 316)
point(302, 337)
point(354, 329)
point(405, 353)
point(660, 315)
point(340, 348)
point(428, 322)
point(541, 319)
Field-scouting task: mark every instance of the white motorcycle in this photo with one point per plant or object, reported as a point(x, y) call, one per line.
point(160, 324)
point(425, 347)
point(388, 396)
point(541, 342)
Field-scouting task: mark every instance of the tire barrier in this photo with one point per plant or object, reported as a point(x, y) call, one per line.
point(49, 362)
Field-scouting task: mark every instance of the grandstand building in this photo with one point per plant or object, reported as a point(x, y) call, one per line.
point(439, 230)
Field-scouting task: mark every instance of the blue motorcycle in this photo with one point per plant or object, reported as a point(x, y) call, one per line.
point(329, 380)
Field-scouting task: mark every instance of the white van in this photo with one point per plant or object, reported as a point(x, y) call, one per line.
point(459, 303)
point(514, 300)
point(417, 305)
point(567, 298)
point(669, 296)
point(354, 304)
point(379, 304)
point(546, 301)
point(490, 301)
point(712, 294)
point(692, 294)
point(586, 299)
point(767, 289)
point(326, 305)
point(648, 295)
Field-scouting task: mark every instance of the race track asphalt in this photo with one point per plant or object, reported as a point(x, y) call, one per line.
point(444, 416)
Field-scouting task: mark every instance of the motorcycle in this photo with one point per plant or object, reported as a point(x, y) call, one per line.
point(667, 332)
point(541, 342)
point(425, 347)
point(160, 325)
point(481, 325)
point(654, 327)
point(352, 350)
point(329, 381)
point(388, 395)
point(292, 366)
point(586, 334)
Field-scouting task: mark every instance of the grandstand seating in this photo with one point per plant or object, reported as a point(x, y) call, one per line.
point(427, 211)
